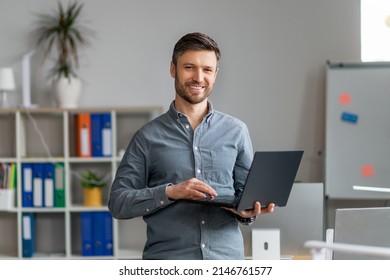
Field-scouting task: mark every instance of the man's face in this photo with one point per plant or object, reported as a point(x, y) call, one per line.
point(195, 75)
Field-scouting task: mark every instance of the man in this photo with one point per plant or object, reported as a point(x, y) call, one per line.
point(190, 152)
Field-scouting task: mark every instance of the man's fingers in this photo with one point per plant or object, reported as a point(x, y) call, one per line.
point(191, 189)
point(201, 187)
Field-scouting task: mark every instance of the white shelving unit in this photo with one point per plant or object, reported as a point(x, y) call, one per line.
point(47, 135)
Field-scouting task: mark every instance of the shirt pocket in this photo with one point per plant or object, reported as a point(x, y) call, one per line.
point(218, 166)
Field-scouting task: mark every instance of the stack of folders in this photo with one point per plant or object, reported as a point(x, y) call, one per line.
point(43, 185)
point(7, 185)
point(96, 234)
point(28, 234)
point(7, 175)
point(93, 135)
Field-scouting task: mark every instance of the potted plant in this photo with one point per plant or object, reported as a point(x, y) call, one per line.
point(92, 186)
point(62, 35)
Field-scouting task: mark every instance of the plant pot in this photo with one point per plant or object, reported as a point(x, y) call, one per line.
point(67, 92)
point(93, 197)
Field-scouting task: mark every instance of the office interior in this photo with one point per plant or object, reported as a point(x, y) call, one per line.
point(272, 74)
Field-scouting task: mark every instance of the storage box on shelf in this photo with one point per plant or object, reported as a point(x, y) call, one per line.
point(47, 136)
point(7, 199)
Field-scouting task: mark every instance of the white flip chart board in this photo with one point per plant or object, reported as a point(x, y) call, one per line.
point(357, 151)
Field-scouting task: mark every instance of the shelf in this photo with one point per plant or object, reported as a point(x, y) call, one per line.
point(129, 254)
point(8, 160)
point(42, 209)
point(90, 160)
point(81, 208)
point(47, 135)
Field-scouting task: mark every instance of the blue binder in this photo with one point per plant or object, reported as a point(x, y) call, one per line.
point(27, 185)
point(106, 134)
point(107, 238)
point(38, 192)
point(102, 229)
point(87, 236)
point(96, 134)
point(28, 234)
point(48, 185)
point(98, 230)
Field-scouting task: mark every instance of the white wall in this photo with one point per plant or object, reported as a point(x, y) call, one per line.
point(272, 73)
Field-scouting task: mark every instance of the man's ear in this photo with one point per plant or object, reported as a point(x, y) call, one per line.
point(216, 73)
point(173, 70)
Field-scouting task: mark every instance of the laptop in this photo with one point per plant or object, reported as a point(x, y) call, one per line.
point(270, 180)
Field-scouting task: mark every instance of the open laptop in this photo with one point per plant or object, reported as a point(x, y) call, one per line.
point(269, 180)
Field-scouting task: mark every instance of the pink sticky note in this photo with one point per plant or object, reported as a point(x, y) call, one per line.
point(367, 170)
point(345, 98)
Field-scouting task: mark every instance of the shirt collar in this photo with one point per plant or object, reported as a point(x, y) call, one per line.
point(177, 115)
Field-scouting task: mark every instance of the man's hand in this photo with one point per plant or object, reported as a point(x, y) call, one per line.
point(257, 210)
point(190, 189)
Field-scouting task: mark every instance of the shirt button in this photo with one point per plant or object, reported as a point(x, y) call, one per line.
point(198, 171)
point(147, 209)
point(196, 148)
point(203, 245)
point(161, 202)
point(187, 126)
point(203, 222)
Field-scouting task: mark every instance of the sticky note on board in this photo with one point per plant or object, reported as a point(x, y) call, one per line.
point(367, 170)
point(349, 117)
point(345, 98)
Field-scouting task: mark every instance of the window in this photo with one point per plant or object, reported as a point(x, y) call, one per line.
point(375, 30)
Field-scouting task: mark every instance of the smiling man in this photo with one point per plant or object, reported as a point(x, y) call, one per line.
point(190, 152)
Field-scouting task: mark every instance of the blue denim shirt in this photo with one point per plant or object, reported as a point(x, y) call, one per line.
point(167, 150)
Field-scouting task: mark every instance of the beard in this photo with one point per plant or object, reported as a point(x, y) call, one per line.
point(192, 98)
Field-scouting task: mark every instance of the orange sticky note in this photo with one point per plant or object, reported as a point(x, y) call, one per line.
point(345, 98)
point(367, 170)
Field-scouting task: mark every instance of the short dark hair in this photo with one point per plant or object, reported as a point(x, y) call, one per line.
point(195, 41)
